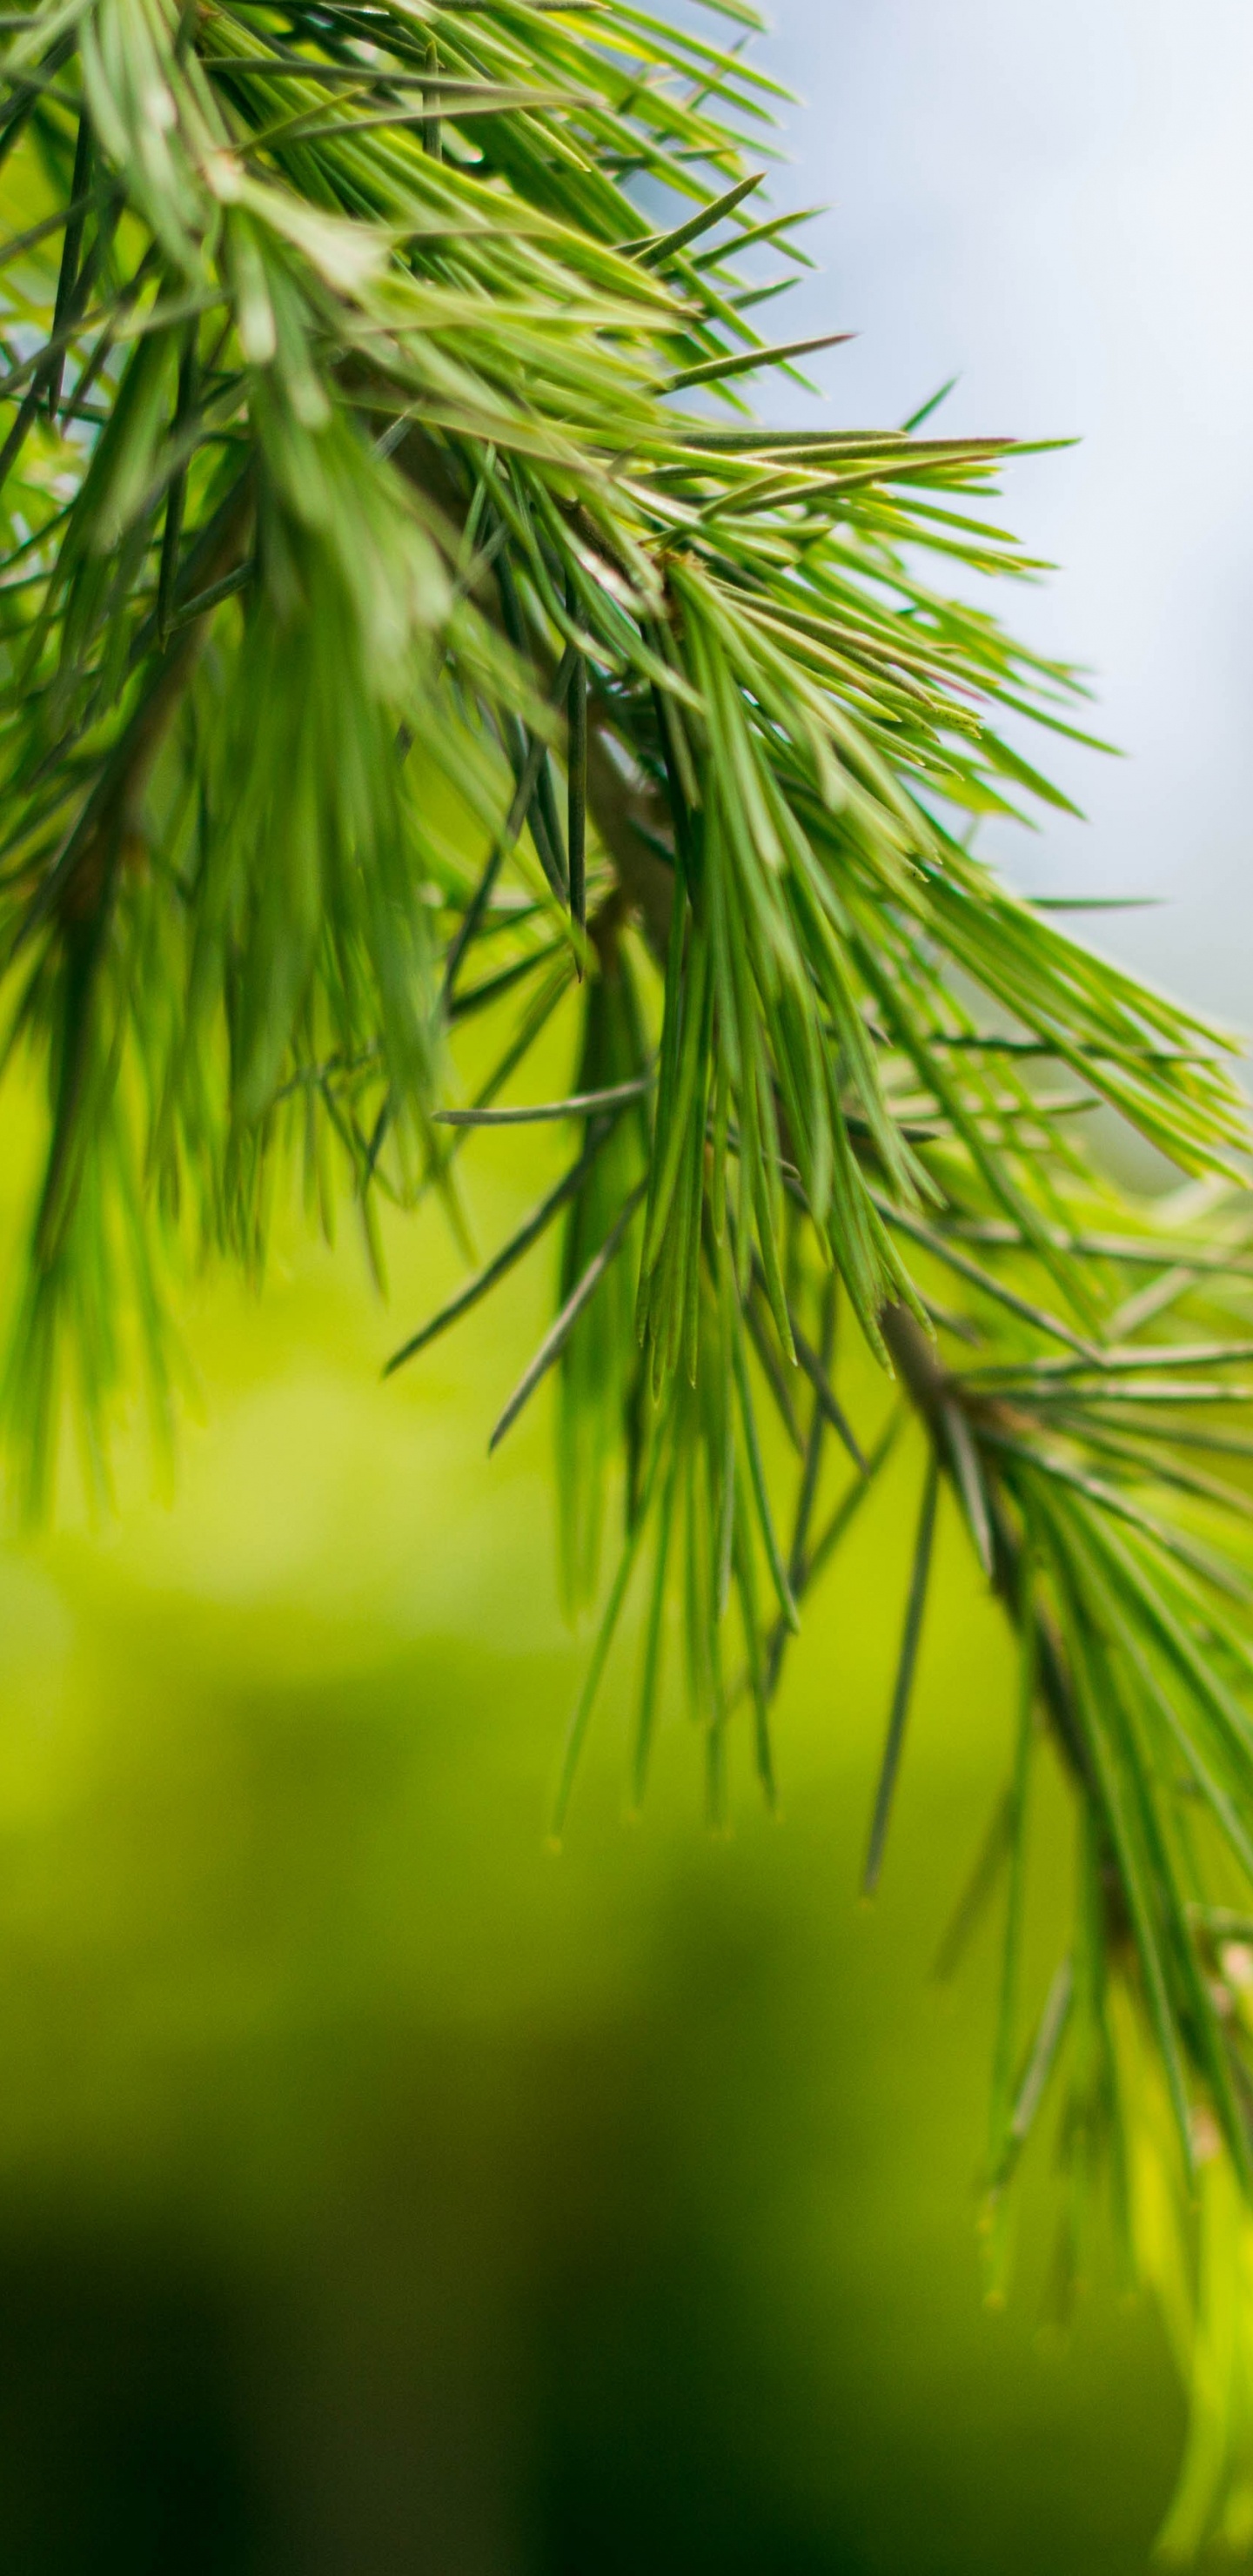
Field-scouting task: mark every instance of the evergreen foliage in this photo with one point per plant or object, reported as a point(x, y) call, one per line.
point(405, 619)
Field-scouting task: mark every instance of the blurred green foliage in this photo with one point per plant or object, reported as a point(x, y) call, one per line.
point(380, 2191)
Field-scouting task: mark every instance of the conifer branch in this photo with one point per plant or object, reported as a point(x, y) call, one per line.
point(368, 458)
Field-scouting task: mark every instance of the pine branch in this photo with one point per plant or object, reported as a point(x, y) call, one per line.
point(350, 486)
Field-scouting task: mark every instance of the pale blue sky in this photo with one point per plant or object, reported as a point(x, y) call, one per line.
point(1055, 198)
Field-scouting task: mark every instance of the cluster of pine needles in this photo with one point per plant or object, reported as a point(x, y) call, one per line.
point(405, 621)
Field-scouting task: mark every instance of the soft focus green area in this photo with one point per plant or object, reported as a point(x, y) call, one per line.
point(379, 2191)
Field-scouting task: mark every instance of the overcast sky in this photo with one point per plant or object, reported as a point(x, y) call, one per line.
point(1055, 199)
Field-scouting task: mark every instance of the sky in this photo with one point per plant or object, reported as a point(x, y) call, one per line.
point(1053, 200)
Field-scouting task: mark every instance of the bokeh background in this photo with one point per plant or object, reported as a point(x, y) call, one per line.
point(379, 2191)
